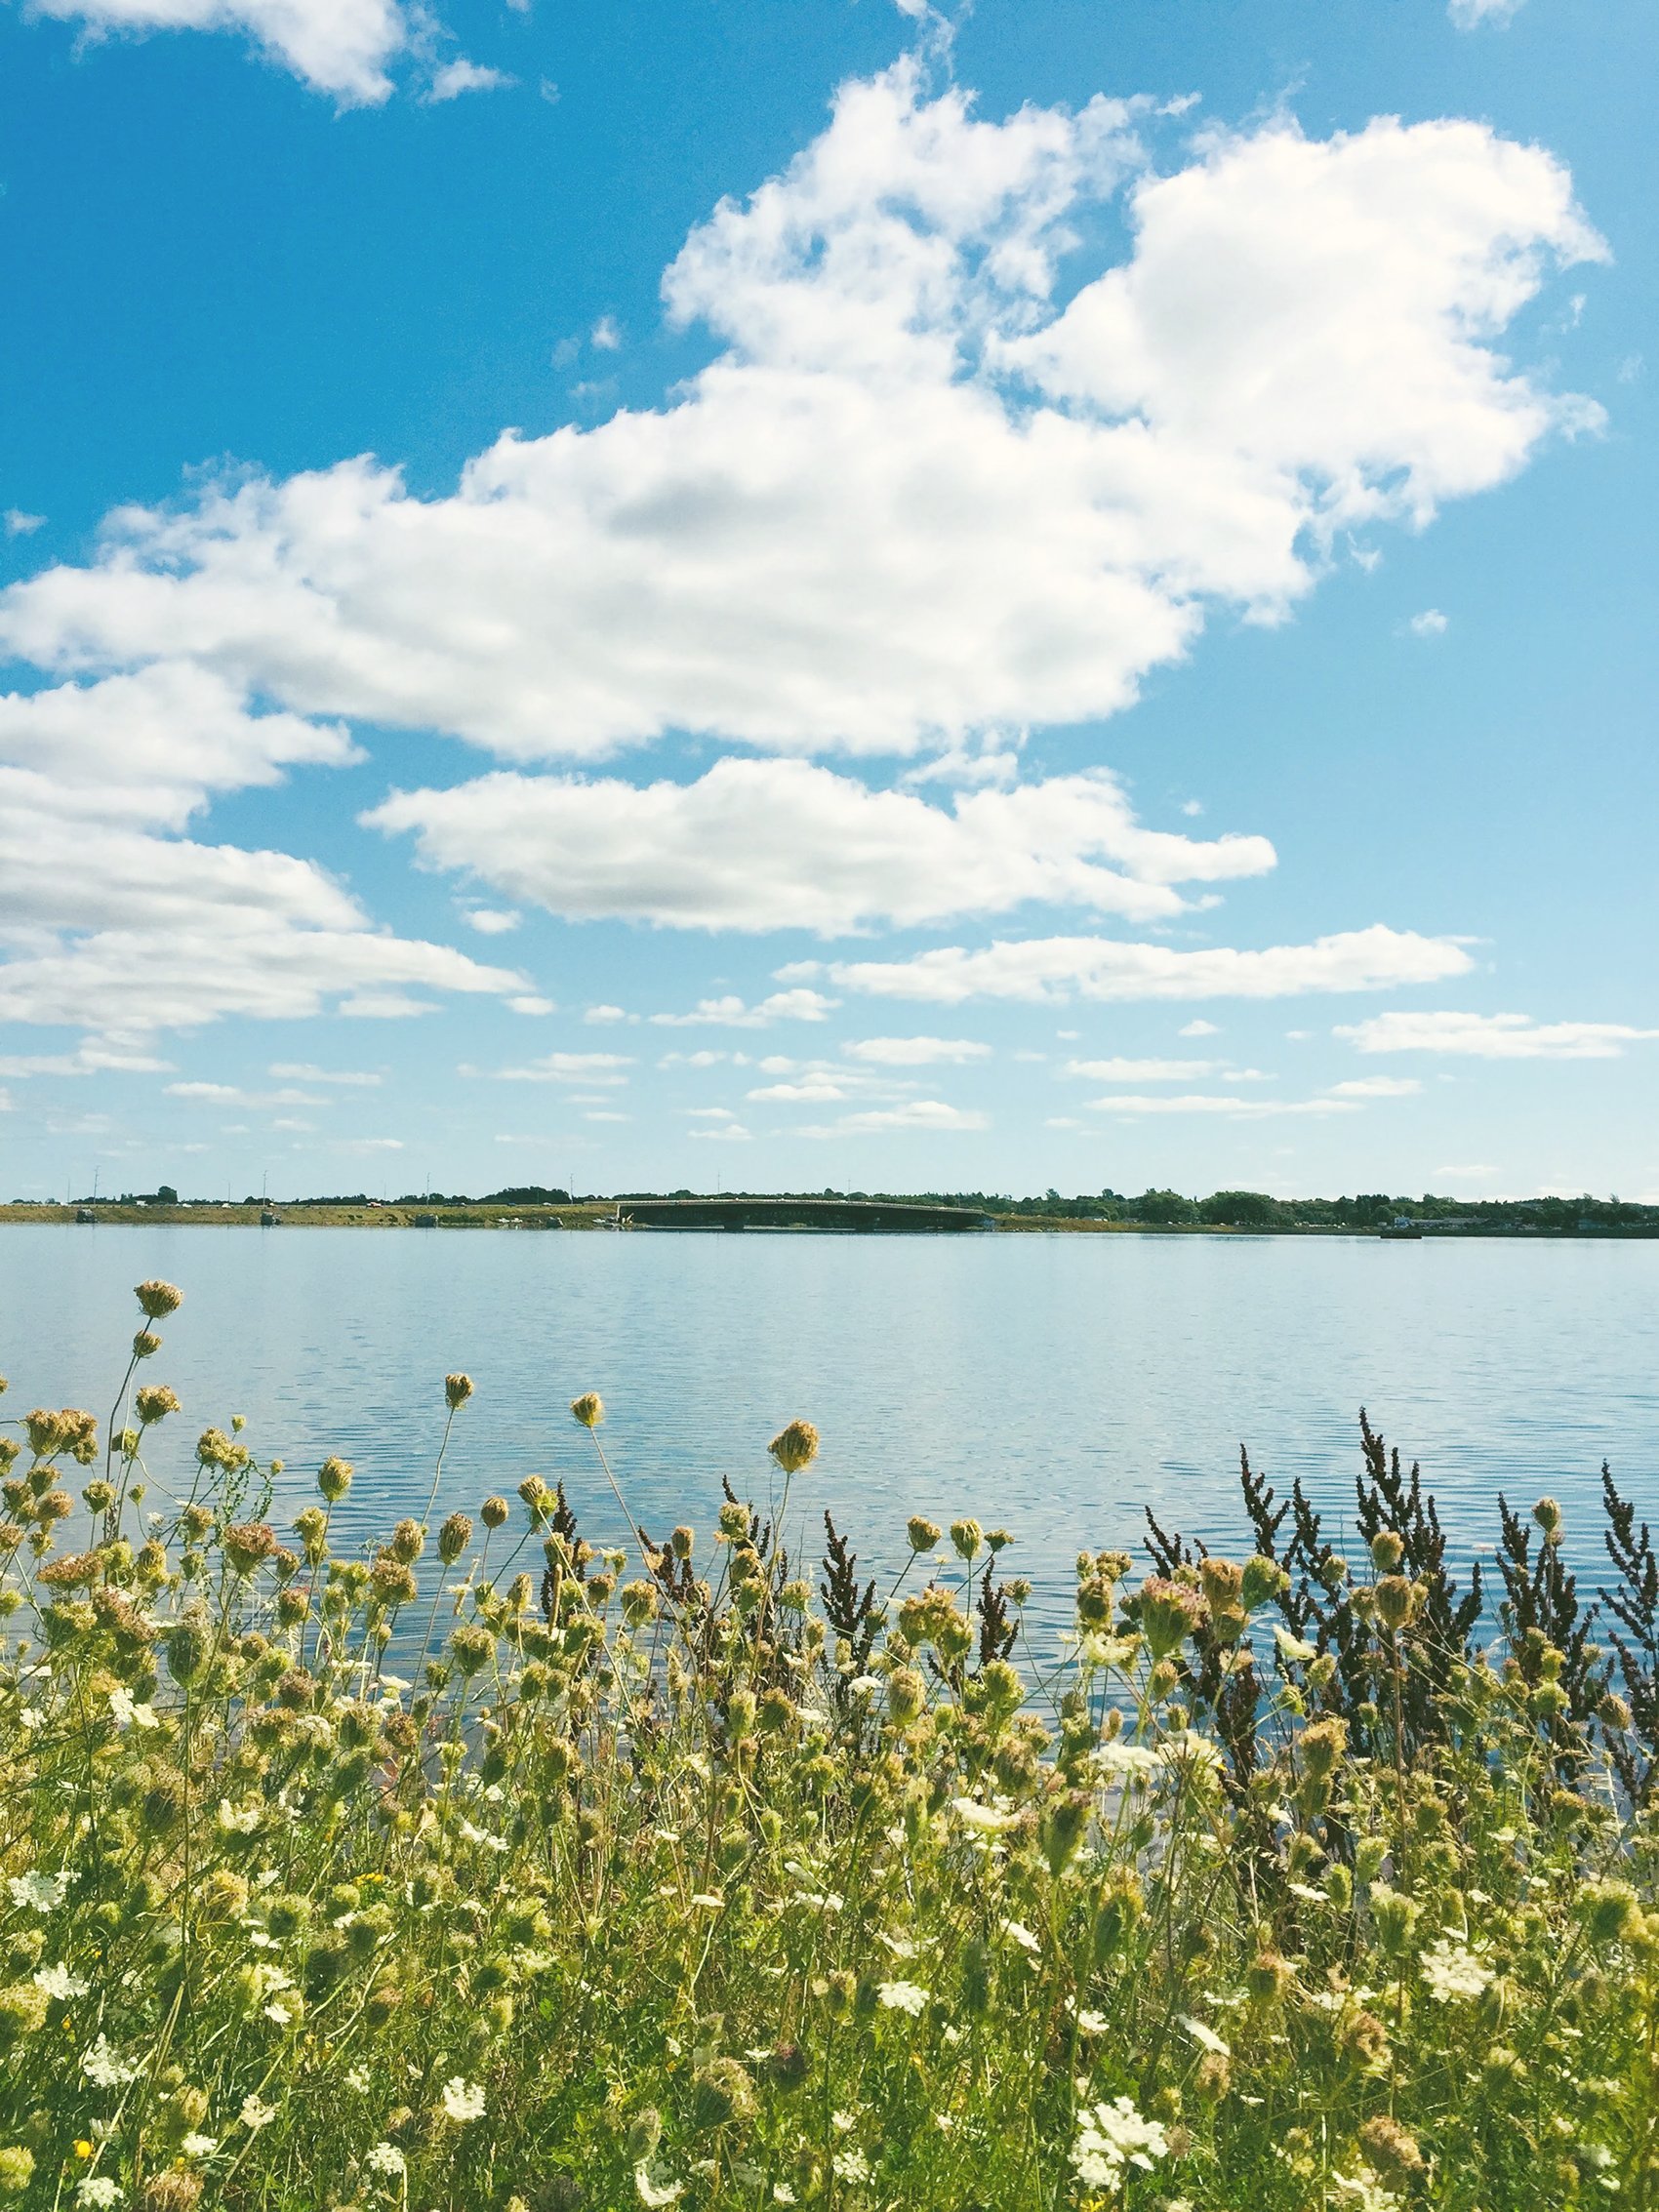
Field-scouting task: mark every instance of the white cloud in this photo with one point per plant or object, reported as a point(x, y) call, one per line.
point(22, 525)
point(919, 498)
point(369, 1144)
point(1470, 15)
point(728, 1133)
point(1209, 1103)
point(783, 844)
point(116, 924)
point(490, 921)
point(597, 1068)
point(731, 1013)
point(1430, 623)
point(1198, 1029)
point(452, 78)
point(305, 1072)
point(1053, 969)
point(91, 1057)
point(1143, 1070)
point(340, 47)
point(602, 1016)
point(1377, 1087)
point(710, 1114)
point(606, 335)
point(533, 1003)
point(916, 1052)
point(916, 1114)
point(1493, 1036)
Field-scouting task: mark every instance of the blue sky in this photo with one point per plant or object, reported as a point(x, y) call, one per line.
point(827, 595)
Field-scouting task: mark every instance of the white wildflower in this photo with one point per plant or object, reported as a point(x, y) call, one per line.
point(58, 1982)
point(41, 1893)
point(985, 1818)
point(1110, 2137)
point(655, 2192)
point(851, 2166)
point(1207, 2037)
point(1117, 1758)
point(121, 1707)
point(783, 2194)
point(1452, 1970)
point(842, 2122)
point(1366, 2189)
point(100, 2191)
point(901, 1996)
point(199, 2146)
point(1292, 1647)
point(31, 1717)
point(104, 2069)
point(862, 1686)
point(1022, 1935)
point(239, 1820)
point(1186, 1744)
point(357, 2080)
point(1092, 2022)
point(385, 2158)
point(255, 2112)
point(1097, 1650)
point(462, 2100)
point(711, 1900)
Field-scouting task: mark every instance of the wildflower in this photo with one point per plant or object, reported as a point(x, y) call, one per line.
point(41, 1893)
point(1168, 1613)
point(1022, 1935)
point(103, 2068)
point(461, 2101)
point(1292, 1647)
point(1110, 2137)
point(590, 1410)
point(458, 1389)
point(1205, 2037)
point(1092, 2022)
point(97, 2191)
point(158, 1300)
point(58, 1982)
point(922, 1533)
point(385, 2158)
point(966, 1536)
point(357, 2080)
point(17, 2170)
point(154, 1402)
point(901, 1996)
point(255, 2112)
point(239, 1820)
point(655, 2192)
point(1451, 1970)
point(851, 2166)
point(796, 1446)
point(196, 2146)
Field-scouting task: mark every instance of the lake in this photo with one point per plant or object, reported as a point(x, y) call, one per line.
point(1053, 1383)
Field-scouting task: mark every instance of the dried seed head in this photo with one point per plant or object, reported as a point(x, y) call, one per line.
point(494, 1512)
point(1387, 1552)
point(1548, 1515)
point(966, 1537)
point(796, 1446)
point(922, 1533)
point(454, 1537)
point(588, 1409)
point(333, 1479)
point(158, 1298)
point(458, 1389)
point(1390, 2148)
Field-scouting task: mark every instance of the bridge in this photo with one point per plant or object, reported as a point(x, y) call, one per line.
point(833, 1217)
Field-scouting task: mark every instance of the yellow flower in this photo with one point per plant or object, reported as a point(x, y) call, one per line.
point(83, 2149)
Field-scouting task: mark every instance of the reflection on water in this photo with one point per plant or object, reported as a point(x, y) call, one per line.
point(1054, 1383)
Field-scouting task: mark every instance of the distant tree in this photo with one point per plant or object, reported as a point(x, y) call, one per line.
point(166, 1195)
point(1162, 1207)
point(1239, 1209)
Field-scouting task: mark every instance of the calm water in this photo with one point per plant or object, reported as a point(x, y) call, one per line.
point(1056, 1384)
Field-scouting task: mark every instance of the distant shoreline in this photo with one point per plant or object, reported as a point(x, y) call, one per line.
point(594, 1215)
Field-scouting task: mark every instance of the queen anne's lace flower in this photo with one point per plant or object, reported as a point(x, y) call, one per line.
point(1110, 2137)
point(901, 1996)
point(40, 1893)
point(98, 2191)
point(985, 1818)
point(255, 2112)
point(58, 1982)
point(1452, 1970)
point(103, 2068)
point(462, 2100)
point(851, 2166)
point(655, 2192)
point(385, 2158)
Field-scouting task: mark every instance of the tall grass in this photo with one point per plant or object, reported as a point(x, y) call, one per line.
point(478, 1870)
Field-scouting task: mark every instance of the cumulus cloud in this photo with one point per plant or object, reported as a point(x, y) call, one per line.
point(1430, 623)
point(602, 1069)
point(1376, 1087)
point(1493, 1036)
point(1054, 968)
point(731, 1012)
point(924, 494)
point(112, 922)
point(340, 47)
point(452, 78)
point(783, 844)
point(931, 1114)
point(916, 1052)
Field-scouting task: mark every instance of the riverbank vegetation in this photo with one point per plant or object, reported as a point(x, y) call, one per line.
point(1254, 1212)
point(478, 1869)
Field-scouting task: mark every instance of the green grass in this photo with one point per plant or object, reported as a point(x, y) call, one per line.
point(480, 1870)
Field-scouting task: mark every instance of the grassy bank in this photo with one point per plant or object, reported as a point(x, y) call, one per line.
point(480, 1870)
